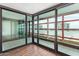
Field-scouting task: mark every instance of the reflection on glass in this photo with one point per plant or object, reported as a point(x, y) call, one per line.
point(35, 30)
point(51, 19)
point(29, 29)
point(47, 29)
point(13, 30)
point(42, 26)
point(68, 30)
point(43, 21)
point(51, 25)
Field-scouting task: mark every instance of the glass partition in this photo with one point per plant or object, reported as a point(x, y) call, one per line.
point(13, 30)
point(29, 29)
point(35, 29)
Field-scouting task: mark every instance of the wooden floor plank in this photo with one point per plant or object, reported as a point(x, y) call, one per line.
point(29, 50)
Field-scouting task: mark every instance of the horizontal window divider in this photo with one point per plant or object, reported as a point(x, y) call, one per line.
point(57, 29)
point(60, 21)
point(71, 20)
point(60, 36)
point(41, 23)
point(44, 29)
point(72, 38)
point(71, 29)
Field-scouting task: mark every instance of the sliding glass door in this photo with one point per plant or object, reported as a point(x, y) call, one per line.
point(13, 30)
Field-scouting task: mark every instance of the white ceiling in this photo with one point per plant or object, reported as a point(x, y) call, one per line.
point(29, 7)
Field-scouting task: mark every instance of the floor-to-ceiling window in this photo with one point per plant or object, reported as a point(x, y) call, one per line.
point(47, 29)
point(68, 29)
point(13, 30)
point(29, 29)
point(35, 29)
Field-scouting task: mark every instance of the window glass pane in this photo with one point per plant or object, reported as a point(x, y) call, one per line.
point(35, 22)
point(27, 29)
point(13, 29)
point(71, 25)
point(43, 26)
point(30, 27)
point(59, 33)
point(72, 16)
point(48, 14)
point(51, 32)
point(35, 29)
point(51, 19)
point(43, 21)
point(43, 31)
point(72, 29)
point(29, 18)
point(68, 9)
point(59, 18)
point(59, 25)
point(52, 26)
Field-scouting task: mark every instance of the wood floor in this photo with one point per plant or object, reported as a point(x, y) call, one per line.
point(29, 50)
